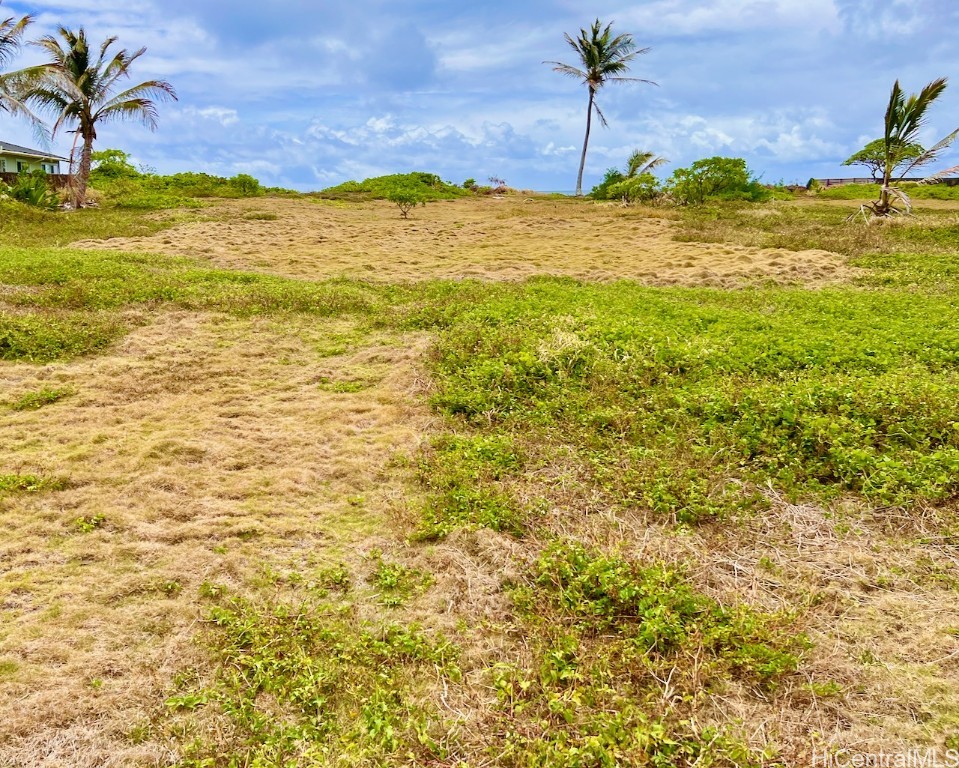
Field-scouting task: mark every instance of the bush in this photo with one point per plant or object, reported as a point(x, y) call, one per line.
point(33, 188)
point(643, 188)
point(601, 190)
point(715, 178)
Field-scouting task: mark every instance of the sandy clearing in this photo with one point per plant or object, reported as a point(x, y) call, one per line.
point(490, 239)
point(213, 448)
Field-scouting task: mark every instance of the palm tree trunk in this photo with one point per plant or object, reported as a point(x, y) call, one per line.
point(582, 160)
point(83, 174)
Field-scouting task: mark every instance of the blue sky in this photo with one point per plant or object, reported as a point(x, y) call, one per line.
point(308, 93)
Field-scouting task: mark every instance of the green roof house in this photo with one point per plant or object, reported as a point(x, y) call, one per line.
point(14, 158)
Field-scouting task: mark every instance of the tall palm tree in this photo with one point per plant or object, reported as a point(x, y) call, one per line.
point(905, 117)
point(81, 88)
point(11, 38)
point(602, 59)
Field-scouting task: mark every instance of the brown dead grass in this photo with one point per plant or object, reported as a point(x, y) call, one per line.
point(508, 238)
point(214, 450)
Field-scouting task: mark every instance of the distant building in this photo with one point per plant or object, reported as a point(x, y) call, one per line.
point(14, 159)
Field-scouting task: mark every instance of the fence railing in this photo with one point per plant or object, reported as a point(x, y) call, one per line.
point(949, 182)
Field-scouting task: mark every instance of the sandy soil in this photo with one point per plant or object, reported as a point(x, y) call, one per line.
point(492, 239)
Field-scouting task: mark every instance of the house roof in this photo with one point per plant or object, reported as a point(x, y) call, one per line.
point(6, 148)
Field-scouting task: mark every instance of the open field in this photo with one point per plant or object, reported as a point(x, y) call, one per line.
point(697, 507)
point(508, 238)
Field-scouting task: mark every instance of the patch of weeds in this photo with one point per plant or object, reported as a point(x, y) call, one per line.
point(610, 680)
point(18, 483)
point(32, 401)
point(333, 578)
point(260, 216)
point(396, 583)
point(306, 685)
point(89, 523)
point(466, 477)
point(210, 590)
point(168, 587)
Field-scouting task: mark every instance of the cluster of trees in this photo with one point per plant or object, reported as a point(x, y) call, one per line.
point(713, 178)
point(605, 58)
point(79, 88)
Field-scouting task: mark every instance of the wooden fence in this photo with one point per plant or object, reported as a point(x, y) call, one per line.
point(57, 180)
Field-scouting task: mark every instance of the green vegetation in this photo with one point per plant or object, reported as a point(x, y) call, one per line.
point(126, 187)
point(311, 684)
point(424, 186)
point(873, 156)
point(637, 184)
point(32, 188)
point(32, 401)
point(602, 59)
point(406, 199)
point(605, 632)
point(20, 483)
point(715, 178)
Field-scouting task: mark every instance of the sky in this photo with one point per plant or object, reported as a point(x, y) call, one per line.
point(305, 94)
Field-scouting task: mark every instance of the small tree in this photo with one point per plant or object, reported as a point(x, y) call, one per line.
point(405, 199)
point(873, 157)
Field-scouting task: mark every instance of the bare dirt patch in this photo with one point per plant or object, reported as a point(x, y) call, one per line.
point(510, 238)
point(201, 450)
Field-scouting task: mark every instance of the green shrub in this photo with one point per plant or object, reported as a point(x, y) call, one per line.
point(33, 188)
point(715, 178)
point(643, 188)
point(602, 190)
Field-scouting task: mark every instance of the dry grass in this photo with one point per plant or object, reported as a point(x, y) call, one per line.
point(202, 449)
point(489, 239)
point(207, 449)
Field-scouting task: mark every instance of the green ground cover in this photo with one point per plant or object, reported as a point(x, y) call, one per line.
point(694, 404)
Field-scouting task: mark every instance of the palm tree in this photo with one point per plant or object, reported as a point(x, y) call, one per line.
point(11, 36)
point(643, 162)
point(602, 59)
point(905, 117)
point(80, 88)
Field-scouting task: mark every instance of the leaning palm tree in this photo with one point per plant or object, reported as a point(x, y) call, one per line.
point(80, 88)
point(643, 162)
point(905, 117)
point(602, 59)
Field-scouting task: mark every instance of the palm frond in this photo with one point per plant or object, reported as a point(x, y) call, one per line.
point(939, 175)
point(602, 117)
point(931, 154)
point(566, 69)
point(11, 36)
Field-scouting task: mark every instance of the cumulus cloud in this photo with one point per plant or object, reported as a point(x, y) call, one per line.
point(307, 94)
